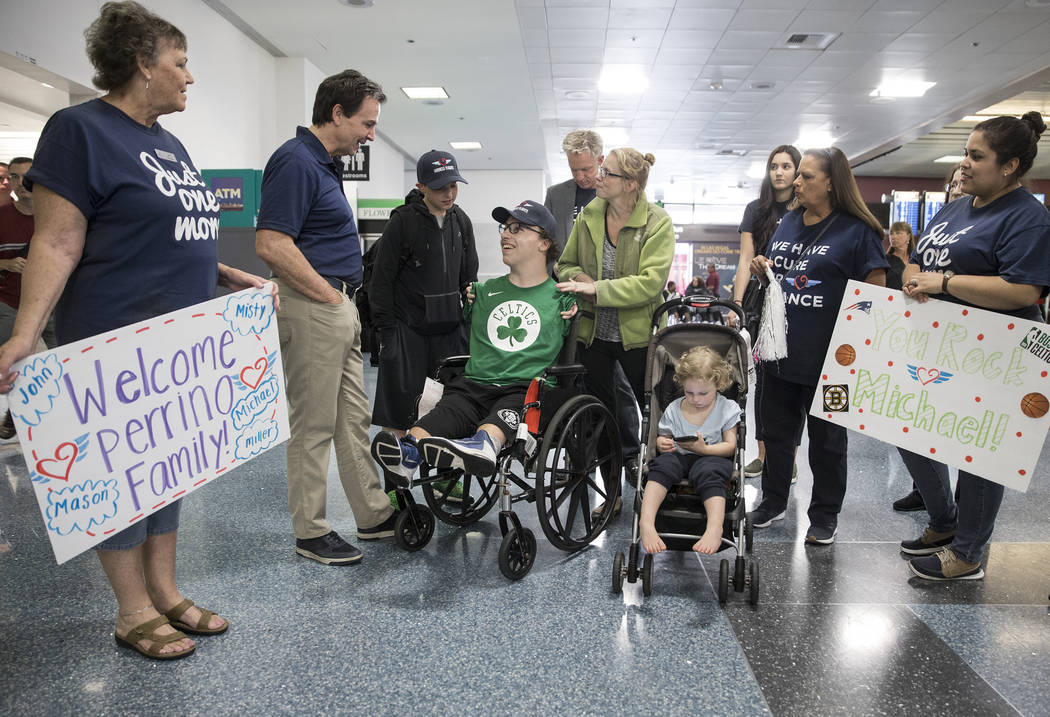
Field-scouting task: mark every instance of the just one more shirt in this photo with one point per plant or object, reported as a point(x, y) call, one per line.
point(152, 223)
point(515, 332)
point(814, 279)
point(1009, 238)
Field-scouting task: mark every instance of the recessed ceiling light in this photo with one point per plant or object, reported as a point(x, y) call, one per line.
point(358, 3)
point(425, 93)
point(902, 88)
point(577, 95)
point(50, 87)
point(465, 146)
point(814, 138)
point(949, 159)
point(762, 85)
point(623, 79)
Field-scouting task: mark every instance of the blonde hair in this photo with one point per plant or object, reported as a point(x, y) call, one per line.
point(702, 364)
point(582, 140)
point(634, 165)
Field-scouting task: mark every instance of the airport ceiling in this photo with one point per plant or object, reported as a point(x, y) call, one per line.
point(723, 84)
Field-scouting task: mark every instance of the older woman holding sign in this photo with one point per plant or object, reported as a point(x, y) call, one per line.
point(988, 250)
point(829, 238)
point(110, 249)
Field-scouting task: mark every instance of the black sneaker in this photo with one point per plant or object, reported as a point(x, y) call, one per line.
point(763, 517)
point(910, 503)
point(928, 543)
point(820, 535)
point(329, 549)
point(630, 471)
point(7, 426)
point(383, 530)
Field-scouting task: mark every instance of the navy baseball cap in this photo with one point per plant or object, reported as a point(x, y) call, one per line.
point(528, 212)
point(436, 169)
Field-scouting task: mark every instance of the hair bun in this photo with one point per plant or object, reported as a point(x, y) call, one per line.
point(1035, 121)
point(652, 160)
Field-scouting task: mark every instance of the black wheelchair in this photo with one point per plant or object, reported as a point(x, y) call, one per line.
point(565, 457)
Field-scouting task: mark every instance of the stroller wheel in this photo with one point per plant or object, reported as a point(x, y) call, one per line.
point(754, 583)
point(632, 564)
point(723, 581)
point(413, 528)
point(647, 575)
point(517, 553)
point(749, 534)
point(739, 574)
point(618, 573)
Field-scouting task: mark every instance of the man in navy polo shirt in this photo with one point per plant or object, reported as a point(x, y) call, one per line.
point(307, 235)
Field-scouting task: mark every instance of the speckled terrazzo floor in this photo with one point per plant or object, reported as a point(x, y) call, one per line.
point(839, 630)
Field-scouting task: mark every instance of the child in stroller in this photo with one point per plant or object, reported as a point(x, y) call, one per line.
point(696, 440)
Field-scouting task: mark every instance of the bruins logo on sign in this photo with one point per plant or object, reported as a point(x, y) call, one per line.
point(836, 398)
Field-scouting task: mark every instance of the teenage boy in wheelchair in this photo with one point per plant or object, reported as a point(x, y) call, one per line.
point(518, 324)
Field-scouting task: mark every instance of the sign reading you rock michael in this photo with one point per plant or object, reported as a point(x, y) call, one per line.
point(116, 426)
point(964, 386)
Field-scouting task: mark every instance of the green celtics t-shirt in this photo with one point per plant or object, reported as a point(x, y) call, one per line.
point(515, 333)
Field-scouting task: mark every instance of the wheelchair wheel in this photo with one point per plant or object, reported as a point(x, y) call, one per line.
point(517, 553)
point(479, 495)
point(754, 583)
point(723, 581)
point(413, 528)
point(647, 575)
point(580, 440)
point(618, 573)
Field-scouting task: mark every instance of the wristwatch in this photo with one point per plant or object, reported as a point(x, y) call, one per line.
point(944, 282)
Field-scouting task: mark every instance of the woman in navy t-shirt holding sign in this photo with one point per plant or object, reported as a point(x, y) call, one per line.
point(125, 231)
point(830, 238)
point(990, 250)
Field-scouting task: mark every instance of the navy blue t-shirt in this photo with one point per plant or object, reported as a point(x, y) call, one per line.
point(814, 283)
point(1009, 238)
point(747, 222)
point(302, 196)
point(152, 223)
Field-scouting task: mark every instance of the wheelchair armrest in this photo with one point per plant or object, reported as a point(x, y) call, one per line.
point(454, 362)
point(574, 369)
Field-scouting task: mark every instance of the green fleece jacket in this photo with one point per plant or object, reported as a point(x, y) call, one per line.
point(644, 252)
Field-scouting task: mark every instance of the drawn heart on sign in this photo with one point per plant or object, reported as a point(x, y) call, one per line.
point(59, 458)
point(927, 375)
point(259, 369)
point(801, 281)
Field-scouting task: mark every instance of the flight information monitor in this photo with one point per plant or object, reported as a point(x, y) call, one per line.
point(904, 207)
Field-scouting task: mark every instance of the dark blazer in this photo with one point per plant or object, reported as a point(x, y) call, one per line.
point(561, 202)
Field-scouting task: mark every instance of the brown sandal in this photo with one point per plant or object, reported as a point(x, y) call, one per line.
point(147, 631)
point(201, 628)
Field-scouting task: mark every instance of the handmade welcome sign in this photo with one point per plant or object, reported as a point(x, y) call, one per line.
point(965, 386)
point(117, 426)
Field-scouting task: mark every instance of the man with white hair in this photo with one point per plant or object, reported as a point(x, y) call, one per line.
point(583, 149)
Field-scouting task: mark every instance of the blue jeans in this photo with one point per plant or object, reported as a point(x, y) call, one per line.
point(972, 517)
point(165, 520)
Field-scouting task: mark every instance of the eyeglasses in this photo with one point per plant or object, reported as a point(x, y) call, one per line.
point(603, 173)
point(516, 227)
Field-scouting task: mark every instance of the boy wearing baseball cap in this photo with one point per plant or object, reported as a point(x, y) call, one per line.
point(424, 262)
point(518, 324)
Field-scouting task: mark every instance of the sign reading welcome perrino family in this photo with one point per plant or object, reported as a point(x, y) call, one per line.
point(116, 426)
point(964, 386)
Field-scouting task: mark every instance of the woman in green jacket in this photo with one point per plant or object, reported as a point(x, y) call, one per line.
point(616, 261)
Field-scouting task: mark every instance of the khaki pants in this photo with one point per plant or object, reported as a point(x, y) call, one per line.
point(324, 376)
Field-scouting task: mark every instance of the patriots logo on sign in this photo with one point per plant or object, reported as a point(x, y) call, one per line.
point(864, 306)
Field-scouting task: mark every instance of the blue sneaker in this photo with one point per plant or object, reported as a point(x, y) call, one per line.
point(475, 455)
point(400, 458)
